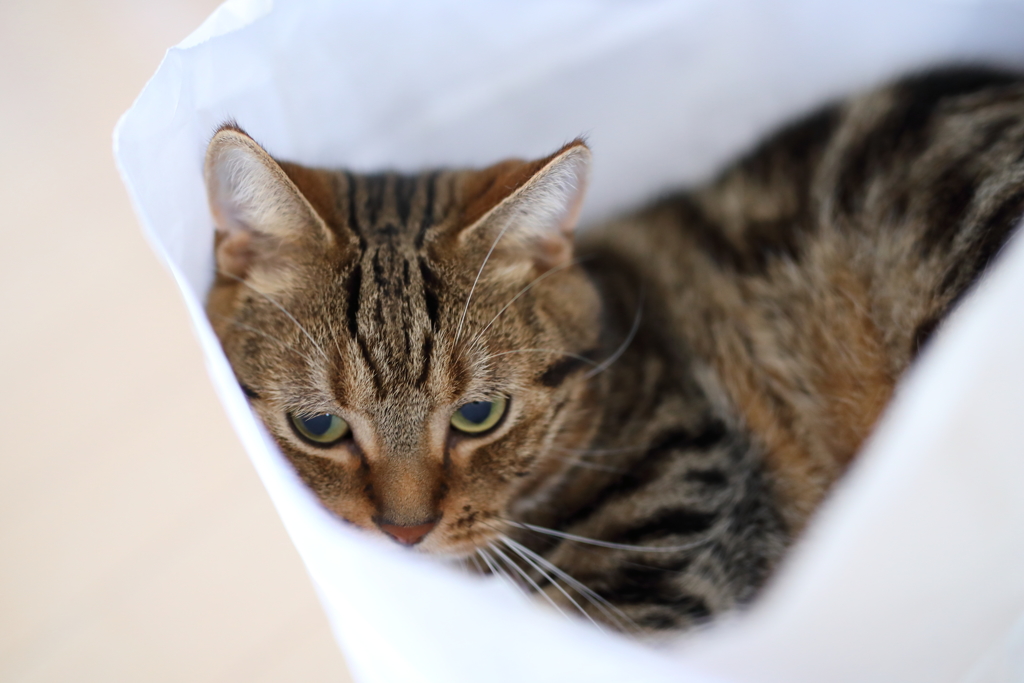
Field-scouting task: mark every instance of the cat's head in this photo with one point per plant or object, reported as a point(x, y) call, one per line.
point(417, 345)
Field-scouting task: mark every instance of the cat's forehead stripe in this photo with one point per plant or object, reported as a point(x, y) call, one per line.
point(404, 189)
point(392, 309)
point(428, 218)
point(350, 206)
point(389, 205)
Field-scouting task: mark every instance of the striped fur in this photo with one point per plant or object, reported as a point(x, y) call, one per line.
point(686, 382)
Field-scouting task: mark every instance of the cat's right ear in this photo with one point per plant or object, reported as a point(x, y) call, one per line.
point(256, 207)
point(525, 211)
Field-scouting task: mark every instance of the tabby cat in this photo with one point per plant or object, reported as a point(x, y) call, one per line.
point(636, 422)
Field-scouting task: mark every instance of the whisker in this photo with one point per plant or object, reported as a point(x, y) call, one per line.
point(282, 344)
point(524, 290)
point(589, 465)
point(487, 561)
point(458, 331)
point(528, 578)
point(622, 347)
point(595, 598)
point(564, 353)
point(607, 544)
point(553, 582)
point(337, 347)
point(281, 308)
point(481, 554)
point(496, 570)
point(600, 451)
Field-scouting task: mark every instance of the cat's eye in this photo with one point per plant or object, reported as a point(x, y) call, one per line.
point(478, 417)
point(322, 430)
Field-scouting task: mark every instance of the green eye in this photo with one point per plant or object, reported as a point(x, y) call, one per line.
point(322, 430)
point(479, 416)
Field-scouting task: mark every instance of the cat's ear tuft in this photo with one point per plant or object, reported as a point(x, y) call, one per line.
point(530, 208)
point(252, 200)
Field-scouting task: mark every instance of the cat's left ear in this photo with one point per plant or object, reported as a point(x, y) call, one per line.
point(527, 210)
point(257, 207)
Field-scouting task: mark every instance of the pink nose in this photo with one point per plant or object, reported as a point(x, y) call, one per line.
point(408, 535)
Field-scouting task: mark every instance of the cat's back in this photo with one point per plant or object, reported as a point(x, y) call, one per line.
point(810, 273)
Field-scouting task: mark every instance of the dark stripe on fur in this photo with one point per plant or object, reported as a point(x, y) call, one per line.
point(644, 585)
point(923, 333)
point(635, 584)
point(428, 350)
point(353, 209)
point(430, 296)
point(714, 477)
point(992, 236)
point(763, 240)
point(649, 468)
point(710, 236)
point(352, 286)
point(558, 371)
point(712, 434)
point(903, 131)
point(678, 522)
point(793, 152)
point(405, 190)
point(668, 617)
point(995, 232)
point(783, 165)
point(374, 187)
point(374, 370)
point(429, 210)
point(950, 199)
point(379, 277)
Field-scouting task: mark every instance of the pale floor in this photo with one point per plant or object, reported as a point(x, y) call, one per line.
point(136, 543)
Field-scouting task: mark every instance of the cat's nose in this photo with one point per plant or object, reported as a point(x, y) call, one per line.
point(408, 535)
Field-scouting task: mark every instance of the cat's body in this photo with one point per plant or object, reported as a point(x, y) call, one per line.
point(682, 387)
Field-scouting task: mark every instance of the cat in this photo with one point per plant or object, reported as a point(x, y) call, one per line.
point(635, 421)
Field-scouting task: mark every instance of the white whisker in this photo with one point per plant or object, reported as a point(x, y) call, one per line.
point(622, 347)
point(610, 610)
point(564, 353)
point(553, 582)
point(496, 570)
point(601, 451)
point(607, 544)
point(282, 309)
point(283, 345)
point(589, 465)
point(524, 290)
point(458, 331)
point(528, 578)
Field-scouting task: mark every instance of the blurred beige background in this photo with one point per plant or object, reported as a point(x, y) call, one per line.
point(136, 543)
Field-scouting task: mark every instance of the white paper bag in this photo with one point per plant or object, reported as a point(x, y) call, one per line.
point(914, 571)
